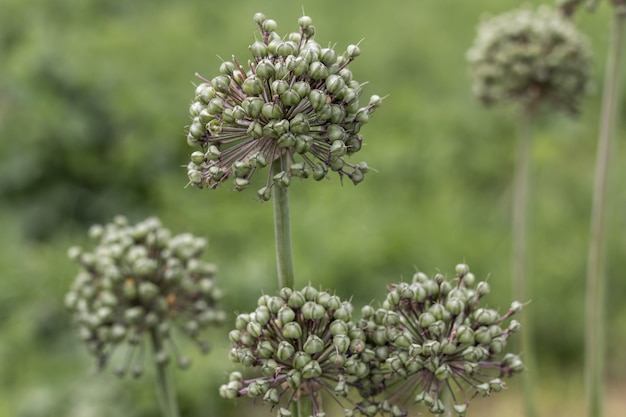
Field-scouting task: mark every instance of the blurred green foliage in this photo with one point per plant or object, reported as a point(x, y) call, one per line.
point(94, 98)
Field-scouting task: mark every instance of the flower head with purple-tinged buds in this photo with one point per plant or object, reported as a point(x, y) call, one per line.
point(295, 102)
point(142, 282)
point(432, 335)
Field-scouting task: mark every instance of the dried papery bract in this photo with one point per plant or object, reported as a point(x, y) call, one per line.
point(139, 285)
point(293, 101)
point(436, 334)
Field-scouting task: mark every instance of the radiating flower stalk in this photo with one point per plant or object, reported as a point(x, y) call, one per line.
point(534, 59)
point(428, 337)
point(141, 282)
point(595, 334)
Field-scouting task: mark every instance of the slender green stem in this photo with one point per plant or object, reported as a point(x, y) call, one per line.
point(282, 229)
point(521, 192)
point(595, 327)
point(165, 386)
point(284, 252)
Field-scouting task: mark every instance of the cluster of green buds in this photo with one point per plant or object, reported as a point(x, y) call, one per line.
point(296, 103)
point(303, 343)
point(432, 335)
point(139, 281)
point(530, 57)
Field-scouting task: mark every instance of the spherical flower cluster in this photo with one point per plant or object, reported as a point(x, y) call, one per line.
point(530, 57)
point(140, 280)
point(432, 335)
point(296, 102)
point(303, 343)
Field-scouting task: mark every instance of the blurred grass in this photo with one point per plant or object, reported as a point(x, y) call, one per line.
point(93, 103)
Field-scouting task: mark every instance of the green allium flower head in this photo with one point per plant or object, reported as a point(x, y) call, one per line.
point(140, 281)
point(293, 98)
point(433, 334)
point(302, 343)
point(530, 57)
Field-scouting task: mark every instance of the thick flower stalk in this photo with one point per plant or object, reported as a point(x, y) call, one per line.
point(432, 335)
point(303, 343)
point(139, 283)
point(294, 102)
point(530, 57)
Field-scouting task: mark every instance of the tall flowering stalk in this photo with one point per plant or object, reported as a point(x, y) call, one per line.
point(294, 106)
point(533, 59)
point(595, 333)
point(141, 286)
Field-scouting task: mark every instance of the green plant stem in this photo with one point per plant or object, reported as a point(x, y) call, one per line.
point(282, 229)
point(521, 191)
point(595, 313)
point(284, 252)
point(165, 386)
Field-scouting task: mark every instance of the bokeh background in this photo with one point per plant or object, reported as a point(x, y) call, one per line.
point(94, 98)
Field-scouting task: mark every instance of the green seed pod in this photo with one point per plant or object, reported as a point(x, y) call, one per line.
point(483, 288)
point(285, 351)
point(312, 370)
point(516, 307)
point(482, 335)
point(290, 98)
point(313, 311)
point(341, 342)
point(265, 69)
point(328, 56)
point(241, 184)
point(303, 89)
point(254, 329)
point(272, 396)
point(292, 330)
point(294, 378)
point(286, 315)
point(252, 85)
point(313, 345)
point(338, 327)
point(486, 316)
point(426, 319)
point(514, 326)
point(252, 106)
point(272, 111)
point(301, 359)
point(443, 372)
point(317, 99)
point(258, 49)
point(334, 83)
point(318, 71)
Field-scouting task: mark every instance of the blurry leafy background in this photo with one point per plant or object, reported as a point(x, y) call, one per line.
point(94, 98)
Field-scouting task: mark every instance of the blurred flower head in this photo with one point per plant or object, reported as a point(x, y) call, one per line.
point(293, 101)
point(530, 57)
point(141, 282)
point(303, 343)
point(432, 335)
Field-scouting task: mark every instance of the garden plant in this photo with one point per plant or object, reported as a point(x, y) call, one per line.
point(293, 109)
